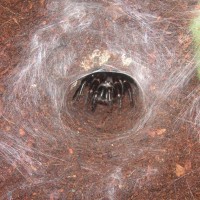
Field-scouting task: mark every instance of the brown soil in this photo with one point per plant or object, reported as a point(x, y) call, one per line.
point(167, 170)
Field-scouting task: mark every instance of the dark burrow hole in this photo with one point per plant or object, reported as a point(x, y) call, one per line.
point(104, 102)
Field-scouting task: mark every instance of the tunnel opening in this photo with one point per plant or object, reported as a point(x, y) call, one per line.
point(105, 102)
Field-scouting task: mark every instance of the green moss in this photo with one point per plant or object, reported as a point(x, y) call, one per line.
point(198, 72)
point(195, 29)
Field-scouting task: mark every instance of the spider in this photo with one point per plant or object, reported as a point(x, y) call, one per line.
point(106, 88)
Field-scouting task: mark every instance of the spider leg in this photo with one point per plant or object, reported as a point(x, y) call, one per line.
point(109, 96)
point(79, 90)
point(119, 92)
point(92, 90)
point(122, 86)
point(94, 101)
point(102, 92)
point(119, 97)
point(130, 92)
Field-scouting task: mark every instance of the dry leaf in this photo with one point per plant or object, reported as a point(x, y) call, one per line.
point(42, 2)
point(180, 171)
point(160, 131)
point(157, 132)
point(22, 132)
point(71, 151)
point(15, 20)
point(33, 168)
point(30, 5)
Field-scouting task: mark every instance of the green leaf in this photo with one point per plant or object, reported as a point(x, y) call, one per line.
point(195, 30)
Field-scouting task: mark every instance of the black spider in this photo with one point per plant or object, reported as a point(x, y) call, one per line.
point(106, 88)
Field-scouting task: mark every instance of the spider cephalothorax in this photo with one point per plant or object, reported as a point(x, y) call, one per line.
point(106, 88)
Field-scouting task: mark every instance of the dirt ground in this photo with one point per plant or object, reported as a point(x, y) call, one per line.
point(178, 176)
